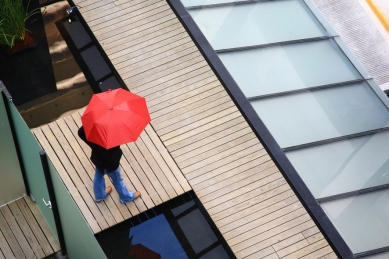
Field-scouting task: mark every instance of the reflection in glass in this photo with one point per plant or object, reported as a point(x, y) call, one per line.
point(206, 2)
point(164, 241)
point(361, 220)
point(288, 67)
point(257, 23)
point(344, 166)
point(322, 114)
point(197, 230)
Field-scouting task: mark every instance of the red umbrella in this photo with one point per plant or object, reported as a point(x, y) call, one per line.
point(115, 117)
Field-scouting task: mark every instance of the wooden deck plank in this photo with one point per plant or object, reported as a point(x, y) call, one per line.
point(188, 62)
point(168, 159)
point(143, 179)
point(26, 230)
point(171, 91)
point(107, 14)
point(42, 224)
point(153, 50)
point(57, 163)
point(155, 167)
point(5, 249)
point(159, 64)
point(277, 226)
point(40, 236)
point(243, 202)
point(18, 233)
point(207, 91)
point(203, 125)
point(176, 62)
point(219, 148)
point(263, 185)
point(204, 146)
point(156, 54)
point(159, 161)
point(102, 18)
point(220, 180)
point(241, 218)
point(253, 250)
point(207, 136)
point(148, 171)
point(224, 166)
point(140, 40)
point(138, 205)
point(172, 82)
point(204, 108)
point(235, 183)
point(119, 26)
point(292, 210)
point(307, 251)
point(220, 159)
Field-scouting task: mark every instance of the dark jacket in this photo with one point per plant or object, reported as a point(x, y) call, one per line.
point(102, 158)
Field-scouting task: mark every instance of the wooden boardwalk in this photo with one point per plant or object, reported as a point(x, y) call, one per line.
point(146, 167)
point(24, 232)
point(197, 139)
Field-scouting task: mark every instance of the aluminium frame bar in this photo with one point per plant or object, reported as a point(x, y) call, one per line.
point(337, 139)
point(195, 7)
point(54, 207)
point(353, 193)
point(284, 165)
point(274, 44)
point(307, 89)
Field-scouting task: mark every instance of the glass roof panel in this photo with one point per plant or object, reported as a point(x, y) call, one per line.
point(322, 114)
point(288, 67)
point(187, 3)
point(341, 167)
point(257, 23)
point(361, 220)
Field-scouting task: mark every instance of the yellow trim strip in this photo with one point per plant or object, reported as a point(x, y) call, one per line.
point(380, 14)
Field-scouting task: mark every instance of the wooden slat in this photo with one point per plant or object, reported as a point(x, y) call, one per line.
point(203, 146)
point(5, 249)
point(154, 167)
point(35, 228)
point(26, 230)
point(17, 232)
point(42, 224)
point(207, 136)
point(57, 163)
point(220, 180)
point(169, 160)
point(160, 162)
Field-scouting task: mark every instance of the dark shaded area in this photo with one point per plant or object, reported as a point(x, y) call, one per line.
point(29, 74)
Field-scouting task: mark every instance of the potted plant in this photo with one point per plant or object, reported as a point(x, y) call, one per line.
point(14, 36)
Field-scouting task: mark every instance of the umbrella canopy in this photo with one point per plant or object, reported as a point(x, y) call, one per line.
point(115, 117)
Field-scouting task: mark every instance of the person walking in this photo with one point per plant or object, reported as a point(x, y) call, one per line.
point(107, 162)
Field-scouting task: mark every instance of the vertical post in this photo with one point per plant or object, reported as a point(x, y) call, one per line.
point(53, 201)
point(8, 99)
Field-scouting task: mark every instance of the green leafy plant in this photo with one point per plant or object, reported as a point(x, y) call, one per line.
point(13, 19)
